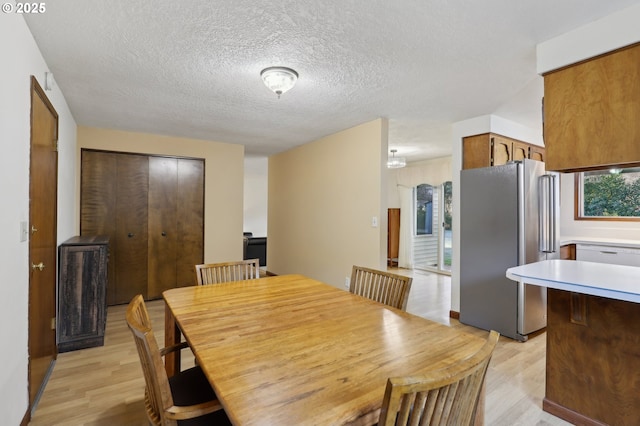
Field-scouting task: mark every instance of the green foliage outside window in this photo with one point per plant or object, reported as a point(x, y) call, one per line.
point(611, 193)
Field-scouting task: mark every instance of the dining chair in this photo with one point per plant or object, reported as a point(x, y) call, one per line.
point(381, 286)
point(186, 397)
point(447, 396)
point(214, 273)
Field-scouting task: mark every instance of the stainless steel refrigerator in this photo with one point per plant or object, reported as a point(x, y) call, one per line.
point(509, 216)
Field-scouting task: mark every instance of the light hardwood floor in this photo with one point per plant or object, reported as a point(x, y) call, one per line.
point(104, 385)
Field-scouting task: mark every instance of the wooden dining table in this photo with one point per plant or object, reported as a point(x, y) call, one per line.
point(291, 350)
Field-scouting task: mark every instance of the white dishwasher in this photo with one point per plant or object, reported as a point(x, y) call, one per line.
point(608, 254)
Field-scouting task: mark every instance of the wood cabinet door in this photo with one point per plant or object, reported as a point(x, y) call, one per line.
point(520, 150)
point(82, 306)
point(190, 213)
point(591, 112)
point(476, 151)
point(536, 153)
point(502, 150)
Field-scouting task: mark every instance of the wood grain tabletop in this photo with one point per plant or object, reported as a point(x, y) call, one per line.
point(290, 350)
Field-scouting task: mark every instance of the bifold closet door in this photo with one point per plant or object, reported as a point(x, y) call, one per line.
point(132, 191)
point(98, 206)
point(152, 209)
point(163, 224)
point(113, 202)
point(190, 219)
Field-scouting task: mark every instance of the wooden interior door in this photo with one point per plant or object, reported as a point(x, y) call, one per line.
point(393, 236)
point(43, 194)
point(190, 219)
point(131, 239)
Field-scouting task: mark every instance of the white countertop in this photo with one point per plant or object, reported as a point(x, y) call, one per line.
point(596, 279)
point(614, 242)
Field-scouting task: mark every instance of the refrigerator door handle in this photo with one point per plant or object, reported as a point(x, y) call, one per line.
point(547, 214)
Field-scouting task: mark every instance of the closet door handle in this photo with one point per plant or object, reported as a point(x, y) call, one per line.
point(164, 234)
point(130, 235)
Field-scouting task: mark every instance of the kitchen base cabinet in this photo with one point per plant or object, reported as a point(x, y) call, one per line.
point(593, 359)
point(82, 285)
point(568, 252)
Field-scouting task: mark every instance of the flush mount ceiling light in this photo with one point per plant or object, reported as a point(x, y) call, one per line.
point(279, 79)
point(394, 162)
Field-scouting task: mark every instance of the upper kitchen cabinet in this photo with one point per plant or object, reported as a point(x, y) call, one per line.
point(490, 149)
point(592, 113)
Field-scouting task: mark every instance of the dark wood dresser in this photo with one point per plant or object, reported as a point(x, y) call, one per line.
point(82, 286)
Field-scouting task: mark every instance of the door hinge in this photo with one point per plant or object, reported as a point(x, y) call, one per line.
point(53, 323)
point(55, 145)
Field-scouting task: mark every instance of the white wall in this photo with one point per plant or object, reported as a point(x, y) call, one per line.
point(604, 35)
point(256, 188)
point(19, 59)
point(609, 33)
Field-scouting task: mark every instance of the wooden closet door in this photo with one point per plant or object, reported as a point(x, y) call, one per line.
point(132, 190)
point(152, 208)
point(163, 224)
point(98, 205)
point(190, 219)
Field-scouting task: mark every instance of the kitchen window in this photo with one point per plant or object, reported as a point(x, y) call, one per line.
point(612, 194)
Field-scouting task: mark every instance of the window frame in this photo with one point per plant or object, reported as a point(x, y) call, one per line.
point(578, 203)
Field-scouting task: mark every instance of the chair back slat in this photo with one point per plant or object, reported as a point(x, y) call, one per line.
point(448, 396)
point(381, 286)
point(157, 390)
point(214, 273)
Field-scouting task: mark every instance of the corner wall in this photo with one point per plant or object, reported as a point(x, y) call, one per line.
point(322, 198)
point(461, 129)
point(21, 58)
point(224, 176)
point(255, 195)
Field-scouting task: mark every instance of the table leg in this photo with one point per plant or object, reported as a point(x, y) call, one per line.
point(171, 337)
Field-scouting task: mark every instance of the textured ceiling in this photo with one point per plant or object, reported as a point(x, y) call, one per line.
point(192, 68)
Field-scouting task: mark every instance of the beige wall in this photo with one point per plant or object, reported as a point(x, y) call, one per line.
point(224, 176)
point(322, 198)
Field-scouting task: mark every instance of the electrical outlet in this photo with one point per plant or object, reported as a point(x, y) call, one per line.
point(347, 282)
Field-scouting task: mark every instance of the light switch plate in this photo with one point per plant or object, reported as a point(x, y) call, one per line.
point(24, 231)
